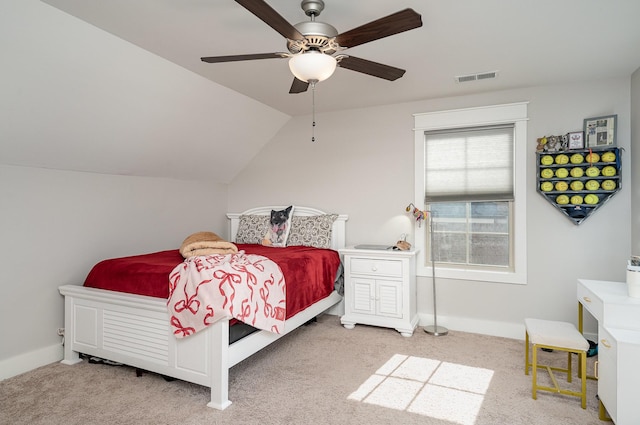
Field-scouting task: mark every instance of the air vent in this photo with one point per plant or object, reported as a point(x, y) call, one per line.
point(476, 77)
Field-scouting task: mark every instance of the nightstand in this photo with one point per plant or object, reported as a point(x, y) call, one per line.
point(380, 289)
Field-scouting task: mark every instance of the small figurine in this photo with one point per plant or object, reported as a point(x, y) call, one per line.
point(418, 214)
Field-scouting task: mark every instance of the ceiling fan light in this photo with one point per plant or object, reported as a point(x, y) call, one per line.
point(312, 66)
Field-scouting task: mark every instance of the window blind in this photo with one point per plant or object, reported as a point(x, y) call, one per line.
point(470, 164)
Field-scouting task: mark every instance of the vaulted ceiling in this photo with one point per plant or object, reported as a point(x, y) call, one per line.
point(527, 42)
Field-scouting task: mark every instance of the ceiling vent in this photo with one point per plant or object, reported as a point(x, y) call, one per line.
point(476, 77)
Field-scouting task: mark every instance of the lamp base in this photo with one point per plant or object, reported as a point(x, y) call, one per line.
point(436, 330)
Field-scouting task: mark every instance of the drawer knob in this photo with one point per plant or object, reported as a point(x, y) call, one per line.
point(605, 343)
point(374, 268)
point(586, 299)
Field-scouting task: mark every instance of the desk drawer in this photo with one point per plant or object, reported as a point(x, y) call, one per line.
point(369, 266)
point(591, 302)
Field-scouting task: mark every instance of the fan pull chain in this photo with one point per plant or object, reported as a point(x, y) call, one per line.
point(313, 111)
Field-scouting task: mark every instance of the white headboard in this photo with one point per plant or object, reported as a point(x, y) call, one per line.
point(338, 238)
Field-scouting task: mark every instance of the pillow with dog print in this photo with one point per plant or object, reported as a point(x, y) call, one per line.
point(279, 228)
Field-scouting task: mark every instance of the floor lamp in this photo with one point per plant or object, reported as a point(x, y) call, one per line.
point(434, 329)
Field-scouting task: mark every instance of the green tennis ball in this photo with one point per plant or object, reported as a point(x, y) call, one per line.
point(546, 173)
point(592, 157)
point(591, 199)
point(577, 185)
point(577, 172)
point(562, 159)
point(546, 187)
point(562, 200)
point(546, 160)
point(592, 172)
point(608, 157)
point(608, 185)
point(609, 171)
point(577, 158)
point(562, 173)
point(577, 200)
point(561, 186)
point(592, 185)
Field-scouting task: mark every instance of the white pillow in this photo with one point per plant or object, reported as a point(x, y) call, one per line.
point(251, 228)
point(314, 231)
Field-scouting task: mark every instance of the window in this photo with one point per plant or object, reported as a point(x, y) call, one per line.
point(470, 174)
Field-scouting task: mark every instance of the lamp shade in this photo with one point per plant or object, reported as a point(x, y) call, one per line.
point(312, 66)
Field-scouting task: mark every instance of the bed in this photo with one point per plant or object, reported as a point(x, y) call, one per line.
point(134, 329)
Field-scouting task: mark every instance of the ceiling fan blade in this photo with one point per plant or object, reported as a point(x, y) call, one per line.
point(298, 86)
point(235, 58)
point(272, 18)
point(371, 68)
point(395, 23)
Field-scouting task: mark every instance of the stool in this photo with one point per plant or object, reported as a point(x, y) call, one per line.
point(561, 336)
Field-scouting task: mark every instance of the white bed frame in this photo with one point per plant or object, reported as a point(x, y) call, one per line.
point(134, 329)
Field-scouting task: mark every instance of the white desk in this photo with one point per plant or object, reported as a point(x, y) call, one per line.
point(618, 365)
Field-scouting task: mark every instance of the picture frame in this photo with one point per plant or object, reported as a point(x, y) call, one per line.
point(600, 131)
point(575, 140)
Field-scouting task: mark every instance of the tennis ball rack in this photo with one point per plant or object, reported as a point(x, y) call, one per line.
point(552, 188)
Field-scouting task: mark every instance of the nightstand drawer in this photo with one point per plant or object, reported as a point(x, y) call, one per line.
point(368, 266)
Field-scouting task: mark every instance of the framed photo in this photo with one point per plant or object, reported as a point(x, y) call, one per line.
point(600, 131)
point(576, 140)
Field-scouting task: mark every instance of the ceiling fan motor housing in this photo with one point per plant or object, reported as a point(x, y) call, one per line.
point(317, 36)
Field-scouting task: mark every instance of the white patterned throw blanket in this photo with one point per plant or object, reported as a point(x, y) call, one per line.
point(205, 289)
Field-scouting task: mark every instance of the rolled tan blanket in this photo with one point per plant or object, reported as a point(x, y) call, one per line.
point(206, 243)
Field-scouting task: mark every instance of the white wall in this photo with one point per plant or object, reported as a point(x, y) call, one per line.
point(362, 164)
point(75, 97)
point(56, 224)
point(635, 159)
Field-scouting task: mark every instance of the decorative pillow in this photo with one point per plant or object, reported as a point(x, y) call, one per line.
point(314, 231)
point(279, 228)
point(251, 228)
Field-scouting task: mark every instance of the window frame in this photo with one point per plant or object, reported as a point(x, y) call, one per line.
point(513, 113)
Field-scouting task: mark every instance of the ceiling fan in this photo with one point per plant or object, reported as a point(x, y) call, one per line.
point(315, 48)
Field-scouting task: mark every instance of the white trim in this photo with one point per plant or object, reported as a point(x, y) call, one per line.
point(515, 113)
point(483, 327)
point(28, 361)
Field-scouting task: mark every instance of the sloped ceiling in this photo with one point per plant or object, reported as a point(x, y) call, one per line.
point(530, 43)
point(76, 98)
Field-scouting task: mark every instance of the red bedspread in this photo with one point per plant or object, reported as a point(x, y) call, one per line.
point(309, 273)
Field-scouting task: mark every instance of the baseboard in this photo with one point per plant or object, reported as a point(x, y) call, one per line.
point(25, 362)
point(28, 361)
point(484, 327)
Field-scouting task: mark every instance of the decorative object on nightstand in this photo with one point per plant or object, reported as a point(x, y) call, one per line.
point(418, 214)
point(380, 288)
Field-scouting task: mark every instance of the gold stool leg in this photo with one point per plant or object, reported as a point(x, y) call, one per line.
point(526, 353)
point(534, 373)
point(583, 377)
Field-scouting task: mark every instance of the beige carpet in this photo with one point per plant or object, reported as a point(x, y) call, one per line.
point(319, 374)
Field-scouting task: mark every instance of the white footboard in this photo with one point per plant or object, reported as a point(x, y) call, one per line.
point(134, 330)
